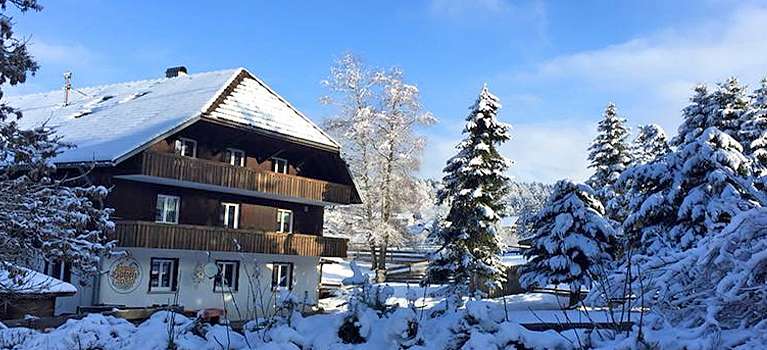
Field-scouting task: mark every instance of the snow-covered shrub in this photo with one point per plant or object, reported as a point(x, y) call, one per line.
point(94, 332)
point(13, 338)
point(403, 328)
point(168, 330)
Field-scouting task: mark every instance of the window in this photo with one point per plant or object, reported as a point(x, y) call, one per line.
point(167, 209)
point(284, 221)
point(59, 270)
point(234, 157)
point(163, 276)
point(231, 214)
point(282, 276)
point(228, 276)
point(186, 147)
point(280, 165)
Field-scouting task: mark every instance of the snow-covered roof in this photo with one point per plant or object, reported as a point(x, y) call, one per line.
point(26, 281)
point(108, 123)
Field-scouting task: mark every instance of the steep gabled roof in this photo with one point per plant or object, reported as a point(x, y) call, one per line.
point(108, 123)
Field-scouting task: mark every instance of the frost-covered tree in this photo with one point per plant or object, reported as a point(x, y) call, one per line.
point(609, 155)
point(377, 105)
point(572, 240)
point(650, 144)
point(398, 147)
point(352, 86)
point(753, 131)
point(524, 200)
point(42, 214)
point(474, 188)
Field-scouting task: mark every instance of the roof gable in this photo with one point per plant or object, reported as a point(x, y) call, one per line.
point(111, 122)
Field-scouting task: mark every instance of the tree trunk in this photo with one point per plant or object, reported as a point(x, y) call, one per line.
point(373, 256)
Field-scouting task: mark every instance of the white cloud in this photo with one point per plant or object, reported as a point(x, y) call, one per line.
point(658, 71)
point(548, 152)
point(55, 54)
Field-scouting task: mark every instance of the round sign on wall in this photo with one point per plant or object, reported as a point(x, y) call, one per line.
point(125, 274)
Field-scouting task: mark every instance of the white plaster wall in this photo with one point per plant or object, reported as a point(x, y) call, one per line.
point(195, 295)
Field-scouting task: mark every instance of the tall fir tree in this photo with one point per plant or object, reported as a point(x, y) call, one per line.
point(609, 155)
point(753, 131)
point(474, 189)
point(650, 144)
point(694, 116)
point(728, 103)
point(572, 241)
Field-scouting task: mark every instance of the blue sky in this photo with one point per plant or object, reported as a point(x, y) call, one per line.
point(553, 64)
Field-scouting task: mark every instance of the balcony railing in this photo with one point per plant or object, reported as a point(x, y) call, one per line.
point(171, 166)
point(143, 234)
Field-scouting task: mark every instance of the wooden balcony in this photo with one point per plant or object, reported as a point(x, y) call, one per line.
point(143, 234)
point(175, 167)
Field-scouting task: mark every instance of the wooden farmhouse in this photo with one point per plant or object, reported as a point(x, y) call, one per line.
point(217, 182)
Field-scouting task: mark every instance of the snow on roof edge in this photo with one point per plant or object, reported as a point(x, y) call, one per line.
point(285, 101)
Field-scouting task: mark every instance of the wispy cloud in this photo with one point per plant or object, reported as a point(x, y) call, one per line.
point(57, 54)
point(659, 70)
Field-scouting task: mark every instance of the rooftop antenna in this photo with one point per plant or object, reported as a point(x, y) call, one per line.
point(67, 86)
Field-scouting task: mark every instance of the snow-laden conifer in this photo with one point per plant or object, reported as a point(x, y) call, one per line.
point(609, 155)
point(694, 116)
point(650, 144)
point(474, 189)
point(572, 241)
point(753, 131)
point(728, 103)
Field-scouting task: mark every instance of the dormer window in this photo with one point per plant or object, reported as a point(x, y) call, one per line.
point(186, 147)
point(280, 165)
point(234, 157)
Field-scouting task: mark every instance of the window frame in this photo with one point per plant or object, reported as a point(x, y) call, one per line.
point(179, 147)
point(276, 161)
point(236, 222)
point(276, 272)
point(230, 152)
point(162, 219)
point(63, 270)
point(280, 220)
point(173, 275)
point(218, 280)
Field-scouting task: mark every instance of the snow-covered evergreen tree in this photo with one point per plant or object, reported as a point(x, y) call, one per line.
point(572, 241)
point(728, 103)
point(694, 116)
point(650, 144)
point(609, 155)
point(689, 193)
point(753, 131)
point(42, 215)
point(474, 189)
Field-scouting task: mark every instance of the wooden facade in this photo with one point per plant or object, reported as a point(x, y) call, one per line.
point(205, 181)
point(142, 234)
point(201, 171)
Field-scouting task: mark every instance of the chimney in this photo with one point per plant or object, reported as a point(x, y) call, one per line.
point(173, 72)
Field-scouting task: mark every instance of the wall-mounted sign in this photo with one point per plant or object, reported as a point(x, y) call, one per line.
point(125, 275)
